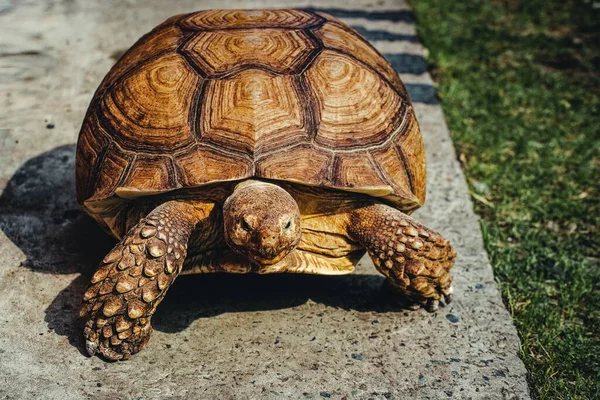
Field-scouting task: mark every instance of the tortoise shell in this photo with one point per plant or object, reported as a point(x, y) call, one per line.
point(226, 95)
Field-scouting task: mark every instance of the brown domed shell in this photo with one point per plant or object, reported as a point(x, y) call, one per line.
point(226, 95)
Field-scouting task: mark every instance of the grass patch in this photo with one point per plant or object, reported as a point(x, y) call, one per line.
point(519, 84)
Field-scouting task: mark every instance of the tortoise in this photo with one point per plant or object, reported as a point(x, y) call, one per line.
point(250, 141)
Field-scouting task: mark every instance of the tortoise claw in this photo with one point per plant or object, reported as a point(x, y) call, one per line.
point(91, 347)
point(432, 305)
point(112, 355)
point(448, 294)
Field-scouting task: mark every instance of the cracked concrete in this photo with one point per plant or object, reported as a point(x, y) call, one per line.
point(242, 337)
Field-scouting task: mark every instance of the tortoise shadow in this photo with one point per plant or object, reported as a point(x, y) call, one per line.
point(39, 214)
point(205, 296)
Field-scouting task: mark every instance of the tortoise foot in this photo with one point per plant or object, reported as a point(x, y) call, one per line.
point(413, 301)
point(415, 259)
point(430, 295)
point(102, 337)
point(133, 279)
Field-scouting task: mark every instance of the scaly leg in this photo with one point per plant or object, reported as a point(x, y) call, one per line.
point(134, 277)
point(415, 259)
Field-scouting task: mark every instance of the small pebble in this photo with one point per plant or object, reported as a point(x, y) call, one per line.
point(453, 318)
point(357, 356)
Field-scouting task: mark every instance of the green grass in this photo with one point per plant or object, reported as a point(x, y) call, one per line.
point(519, 84)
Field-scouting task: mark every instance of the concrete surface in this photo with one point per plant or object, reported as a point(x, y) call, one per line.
point(239, 337)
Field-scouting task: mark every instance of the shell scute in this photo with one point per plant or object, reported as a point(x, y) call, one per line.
point(356, 107)
point(114, 167)
point(203, 165)
point(217, 54)
point(312, 164)
point(92, 143)
point(151, 108)
point(338, 37)
point(256, 112)
point(239, 19)
point(392, 166)
point(356, 170)
point(410, 145)
point(148, 174)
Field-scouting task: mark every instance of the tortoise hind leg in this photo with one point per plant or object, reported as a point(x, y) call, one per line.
point(416, 260)
point(134, 277)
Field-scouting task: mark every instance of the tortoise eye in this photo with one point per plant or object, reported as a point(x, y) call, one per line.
point(246, 226)
point(288, 225)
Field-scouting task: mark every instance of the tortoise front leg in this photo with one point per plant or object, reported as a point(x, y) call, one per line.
point(415, 259)
point(134, 277)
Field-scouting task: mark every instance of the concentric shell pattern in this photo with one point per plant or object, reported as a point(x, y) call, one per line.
point(226, 95)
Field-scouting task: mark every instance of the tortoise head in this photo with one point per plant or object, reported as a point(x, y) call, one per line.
point(261, 221)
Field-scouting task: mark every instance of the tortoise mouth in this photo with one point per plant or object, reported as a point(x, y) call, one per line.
point(266, 257)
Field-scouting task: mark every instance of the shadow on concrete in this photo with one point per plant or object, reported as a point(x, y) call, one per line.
point(39, 214)
point(202, 296)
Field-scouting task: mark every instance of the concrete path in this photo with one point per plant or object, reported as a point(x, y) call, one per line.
point(239, 337)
